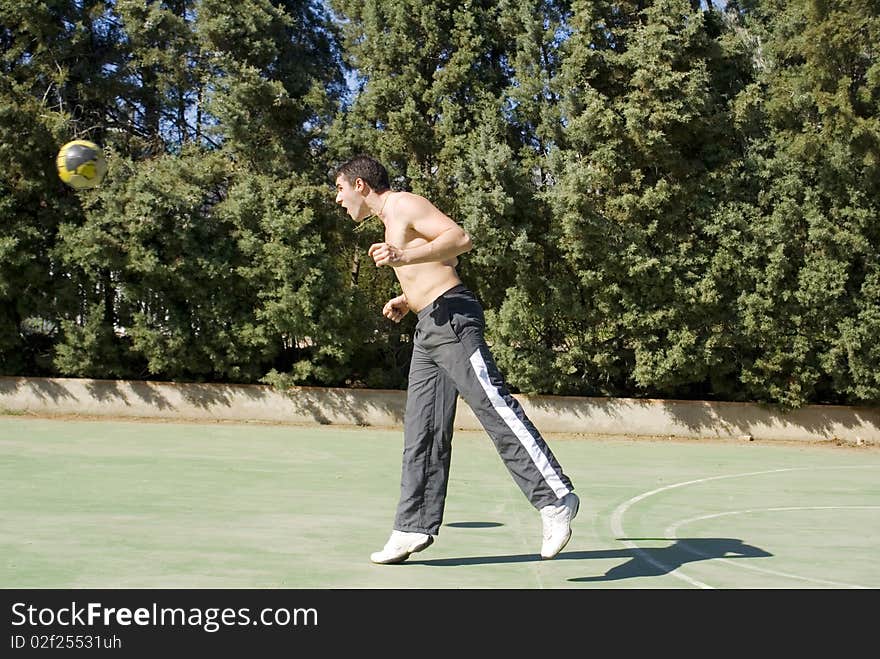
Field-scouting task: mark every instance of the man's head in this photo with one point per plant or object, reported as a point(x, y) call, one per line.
point(368, 169)
point(356, 180)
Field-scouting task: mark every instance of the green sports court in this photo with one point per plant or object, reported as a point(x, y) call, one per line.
point(98, 503)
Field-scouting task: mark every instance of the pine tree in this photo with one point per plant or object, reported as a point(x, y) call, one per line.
point(429, 106)
point(642, 141)
point(148, 275)
point(57, 63)
point(809, 311)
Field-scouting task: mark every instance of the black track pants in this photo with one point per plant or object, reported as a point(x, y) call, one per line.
point(450, 357)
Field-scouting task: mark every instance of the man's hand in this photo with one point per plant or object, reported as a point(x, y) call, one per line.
point(386, 254)
point(396, 308)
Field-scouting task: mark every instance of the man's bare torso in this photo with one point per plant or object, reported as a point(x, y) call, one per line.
point(421, 282)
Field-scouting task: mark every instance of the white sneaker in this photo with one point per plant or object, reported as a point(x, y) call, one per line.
point(556, 520)
point(400, 545)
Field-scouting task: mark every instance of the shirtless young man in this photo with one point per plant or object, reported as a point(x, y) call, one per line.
point(450, 357)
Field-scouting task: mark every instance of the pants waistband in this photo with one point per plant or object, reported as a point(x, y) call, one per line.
point(428, 308)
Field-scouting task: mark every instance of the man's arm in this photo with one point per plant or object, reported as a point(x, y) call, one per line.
point(445, 239)
point(396, 308)
point(448, 244)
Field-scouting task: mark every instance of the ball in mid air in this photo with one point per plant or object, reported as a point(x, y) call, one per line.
point(81, 164)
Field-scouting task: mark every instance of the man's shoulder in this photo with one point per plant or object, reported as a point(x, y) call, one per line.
point(405, 196)
point(410, 205)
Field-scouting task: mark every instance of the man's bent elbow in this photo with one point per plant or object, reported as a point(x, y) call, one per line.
point(465, 243)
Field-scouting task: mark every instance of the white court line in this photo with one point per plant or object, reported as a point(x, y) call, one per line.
point(620, 511)
point(672, 531)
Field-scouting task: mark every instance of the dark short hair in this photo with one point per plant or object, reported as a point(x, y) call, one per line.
point(367, 168)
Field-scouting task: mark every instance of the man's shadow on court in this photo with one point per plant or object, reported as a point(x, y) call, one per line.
point(642, 561)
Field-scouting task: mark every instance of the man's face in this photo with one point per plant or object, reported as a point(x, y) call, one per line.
point(351, 198)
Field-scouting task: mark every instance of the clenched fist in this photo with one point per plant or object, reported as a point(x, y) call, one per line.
point(396, 308)
point(386, 254)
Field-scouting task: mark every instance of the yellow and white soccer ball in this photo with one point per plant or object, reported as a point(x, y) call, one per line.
point(81, 164)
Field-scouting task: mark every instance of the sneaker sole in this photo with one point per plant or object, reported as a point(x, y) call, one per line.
point(547, 558)
point(577, 506)
point(415, 548)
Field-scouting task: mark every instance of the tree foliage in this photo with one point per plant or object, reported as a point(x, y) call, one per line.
point(668, 198)
point(214, 214)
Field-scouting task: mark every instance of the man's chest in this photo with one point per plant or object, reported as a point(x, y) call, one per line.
point(402, 236)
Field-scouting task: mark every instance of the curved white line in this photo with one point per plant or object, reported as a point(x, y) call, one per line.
point(671, 532)
point(617, 515)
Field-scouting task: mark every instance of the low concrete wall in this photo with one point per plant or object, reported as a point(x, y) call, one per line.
point(551, 414)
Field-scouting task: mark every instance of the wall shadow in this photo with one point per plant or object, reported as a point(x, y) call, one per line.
point(150, 395)
point(366, 407)
point(41, 388)
point(205, 396)
point(322, 405)
point(106, 391)
point(582, 409)
point(702, 418)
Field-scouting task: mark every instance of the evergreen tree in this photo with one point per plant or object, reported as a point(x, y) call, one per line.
point(809, 312)
point(643, 138)
point(667, 197)
point(272, 79)
point(148, 276)
point(57, 63)
point(430, 74)
point(163, 71)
